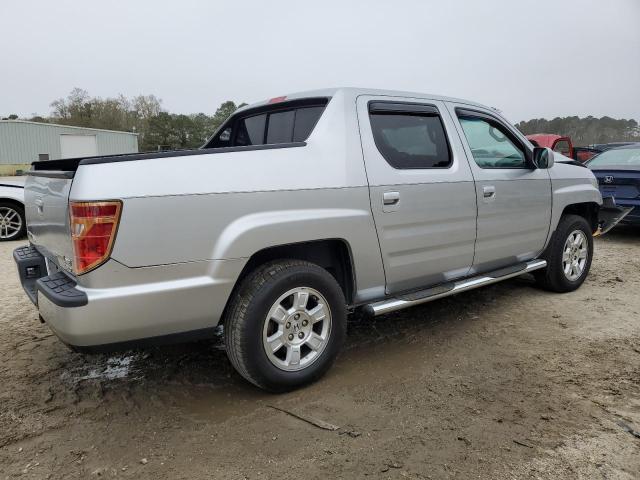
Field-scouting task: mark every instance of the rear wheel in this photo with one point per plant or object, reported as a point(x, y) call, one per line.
point(285, 325)
point(12, 222)
point(568, 255)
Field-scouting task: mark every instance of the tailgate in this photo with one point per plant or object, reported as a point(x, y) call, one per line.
point(46, 197)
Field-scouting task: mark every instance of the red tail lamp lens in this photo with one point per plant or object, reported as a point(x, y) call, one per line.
point(93, 230)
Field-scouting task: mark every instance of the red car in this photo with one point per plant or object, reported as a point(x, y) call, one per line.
point(557, 143)
point(562, 145)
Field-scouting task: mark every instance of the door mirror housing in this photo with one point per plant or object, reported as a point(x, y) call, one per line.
point(542, 158)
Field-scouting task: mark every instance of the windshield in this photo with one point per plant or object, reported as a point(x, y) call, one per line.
point(620, 156)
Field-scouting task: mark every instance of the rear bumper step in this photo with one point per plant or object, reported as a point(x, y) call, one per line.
point(31, 267)
point(417, 298)
point(61, 290)
point(58, 287)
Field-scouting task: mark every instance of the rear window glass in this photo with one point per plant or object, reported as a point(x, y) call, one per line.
point(280, 128)
point(251, 130)
point(618, 156)
point(277, 125)
point(306, 119)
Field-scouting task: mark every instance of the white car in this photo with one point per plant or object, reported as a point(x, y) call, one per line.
point(12, 221)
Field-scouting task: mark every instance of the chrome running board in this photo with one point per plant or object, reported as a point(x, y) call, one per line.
point(404, 301)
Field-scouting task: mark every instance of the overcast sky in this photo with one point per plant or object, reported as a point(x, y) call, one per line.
point(535, 58)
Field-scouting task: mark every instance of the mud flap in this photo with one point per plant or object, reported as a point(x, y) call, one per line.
point(609, 215)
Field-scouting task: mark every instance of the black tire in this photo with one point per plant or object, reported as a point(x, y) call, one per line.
point(248, 310)
point(22, 232)
point(553, 277)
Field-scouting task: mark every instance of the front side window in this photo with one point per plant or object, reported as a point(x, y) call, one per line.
point(490, 144)
point(408, 140)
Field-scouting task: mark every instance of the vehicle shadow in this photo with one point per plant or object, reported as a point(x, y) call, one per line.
point(622, 234)
point(198, 379)
point(203, 366)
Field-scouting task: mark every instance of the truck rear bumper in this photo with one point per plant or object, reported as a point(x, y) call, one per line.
point(161, 306)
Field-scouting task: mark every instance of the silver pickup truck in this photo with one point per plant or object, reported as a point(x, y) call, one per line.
point(297, 211)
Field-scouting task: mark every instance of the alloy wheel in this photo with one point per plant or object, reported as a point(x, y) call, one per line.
point(10, 223)
point(297, 329)
point(575, 255)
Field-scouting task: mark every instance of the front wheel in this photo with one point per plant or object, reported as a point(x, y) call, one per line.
point(12, 222)
point(285, 325)
point(568, 256)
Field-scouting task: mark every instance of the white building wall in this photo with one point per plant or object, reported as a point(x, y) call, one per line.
point(21, 142)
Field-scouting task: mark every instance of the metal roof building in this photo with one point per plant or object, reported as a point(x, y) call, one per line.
point(23, 142)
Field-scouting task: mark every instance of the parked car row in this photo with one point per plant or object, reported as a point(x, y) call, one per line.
point(564, 145)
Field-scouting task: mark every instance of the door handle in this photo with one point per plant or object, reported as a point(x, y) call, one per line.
point(390, 198)
point(488, 191)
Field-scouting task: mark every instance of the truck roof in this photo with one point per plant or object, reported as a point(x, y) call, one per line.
point(355, 92)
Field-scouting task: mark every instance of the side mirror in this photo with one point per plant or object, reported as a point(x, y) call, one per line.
point(542, 157)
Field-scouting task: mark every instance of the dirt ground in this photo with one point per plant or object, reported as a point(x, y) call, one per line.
point(503, 382)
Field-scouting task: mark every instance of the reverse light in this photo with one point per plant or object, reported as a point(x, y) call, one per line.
point(93, 230)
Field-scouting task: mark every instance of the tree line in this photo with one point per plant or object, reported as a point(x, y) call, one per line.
point(159, 129)
point(585, 131)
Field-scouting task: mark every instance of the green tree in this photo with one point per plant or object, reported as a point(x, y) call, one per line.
point(184, 131)
point(143, 114)
point(160, 134)
point(224, 111)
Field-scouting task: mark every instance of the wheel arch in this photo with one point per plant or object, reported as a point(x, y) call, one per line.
point(587, 210)
point(15, 203)
point(332, 254)
point(12, 201)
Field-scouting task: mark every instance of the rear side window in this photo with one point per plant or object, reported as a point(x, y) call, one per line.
point(271, 125)
point(410, 136)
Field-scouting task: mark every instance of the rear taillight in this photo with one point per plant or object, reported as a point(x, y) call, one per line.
point(93, 230)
